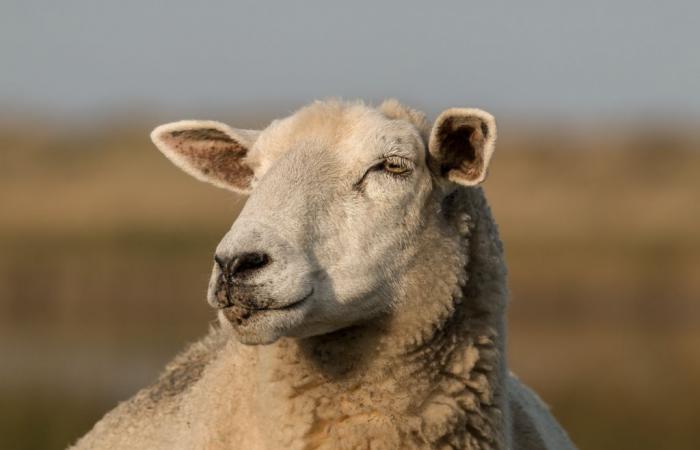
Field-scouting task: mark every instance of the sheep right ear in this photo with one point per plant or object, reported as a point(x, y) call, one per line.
point(461, 144)
point(209, 151)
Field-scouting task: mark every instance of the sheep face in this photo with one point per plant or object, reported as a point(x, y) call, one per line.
point(343, 199)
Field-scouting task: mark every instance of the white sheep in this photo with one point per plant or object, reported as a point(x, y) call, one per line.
point(369, 270)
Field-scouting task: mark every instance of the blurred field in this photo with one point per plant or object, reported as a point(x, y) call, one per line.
point(105, 251)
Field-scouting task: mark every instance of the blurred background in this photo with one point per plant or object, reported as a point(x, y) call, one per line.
point(105, 247)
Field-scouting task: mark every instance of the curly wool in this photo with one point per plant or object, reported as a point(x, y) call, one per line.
point(431, 376)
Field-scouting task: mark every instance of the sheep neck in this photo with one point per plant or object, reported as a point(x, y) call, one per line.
point(414, 380)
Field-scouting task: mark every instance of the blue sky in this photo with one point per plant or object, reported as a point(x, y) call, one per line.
point(527, 58)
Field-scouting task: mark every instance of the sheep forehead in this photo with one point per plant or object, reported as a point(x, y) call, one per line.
point(353, 131)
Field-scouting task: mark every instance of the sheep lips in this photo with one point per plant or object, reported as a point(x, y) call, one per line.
point(229, 294)
point(242, 305)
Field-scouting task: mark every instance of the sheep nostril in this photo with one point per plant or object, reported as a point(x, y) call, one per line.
point(221, 262)
point(240, 265)
point(247, 263)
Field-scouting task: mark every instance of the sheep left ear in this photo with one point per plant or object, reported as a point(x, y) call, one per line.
point(209, 151)
point(461, 144)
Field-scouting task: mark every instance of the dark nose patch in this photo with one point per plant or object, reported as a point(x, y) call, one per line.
point(248, 262)
point(233, 271)
point(242, 264)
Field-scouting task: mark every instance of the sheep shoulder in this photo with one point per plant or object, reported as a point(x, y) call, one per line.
point(144, 417)
point(533, 426)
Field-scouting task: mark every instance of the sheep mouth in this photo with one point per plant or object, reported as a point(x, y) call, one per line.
point(238, 313)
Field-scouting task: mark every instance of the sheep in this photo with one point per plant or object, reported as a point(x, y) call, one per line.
point(361, 293)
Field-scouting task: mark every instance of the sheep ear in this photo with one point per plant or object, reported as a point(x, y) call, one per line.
point(461, 144)
point(209, 151)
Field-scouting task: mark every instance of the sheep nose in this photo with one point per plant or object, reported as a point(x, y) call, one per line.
point(243, 264)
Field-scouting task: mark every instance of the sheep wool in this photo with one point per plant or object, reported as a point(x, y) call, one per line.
point(426, 371)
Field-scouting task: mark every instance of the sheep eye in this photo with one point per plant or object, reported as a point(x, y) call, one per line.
point(395, 166)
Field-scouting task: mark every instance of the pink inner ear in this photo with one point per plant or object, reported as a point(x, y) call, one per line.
point(212, 153)
point(201, 134)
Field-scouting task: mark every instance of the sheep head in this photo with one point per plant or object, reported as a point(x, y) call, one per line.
point(343, 200)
